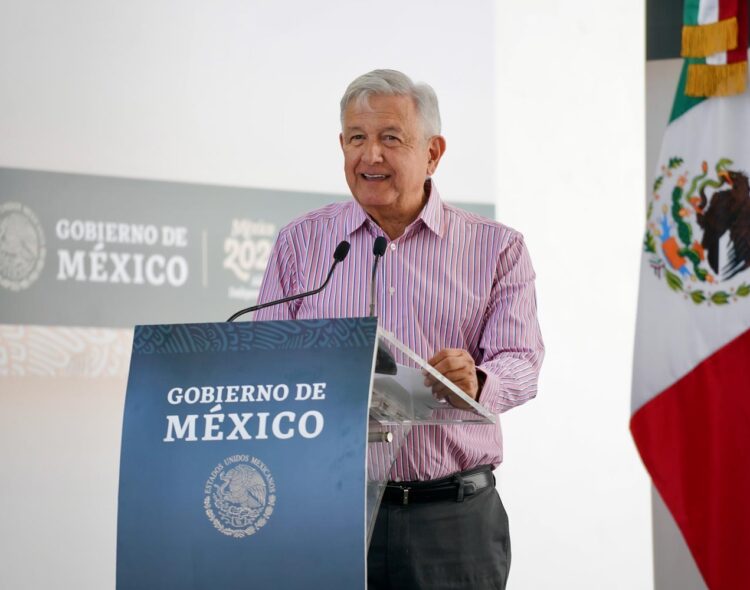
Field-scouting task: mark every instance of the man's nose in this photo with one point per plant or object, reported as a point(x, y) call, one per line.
point(373, 152)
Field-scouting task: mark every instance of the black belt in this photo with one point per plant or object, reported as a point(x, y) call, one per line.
point(454, 487)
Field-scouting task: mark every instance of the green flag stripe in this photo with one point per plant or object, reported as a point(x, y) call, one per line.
point(690, 12)
point(682, 103)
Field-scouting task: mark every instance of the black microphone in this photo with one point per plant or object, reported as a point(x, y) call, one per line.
point(339, 254)
point(378, 249)
point(384, 361)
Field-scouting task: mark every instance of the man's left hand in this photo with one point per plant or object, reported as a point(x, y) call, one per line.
point(457, 365)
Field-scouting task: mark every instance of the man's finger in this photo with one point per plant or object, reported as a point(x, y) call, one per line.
point(451, 364)
point(459, 378)
point(446, 353)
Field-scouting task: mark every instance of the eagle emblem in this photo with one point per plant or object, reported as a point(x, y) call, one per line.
point(698, 231)
point(22, 248)
point(240, 496)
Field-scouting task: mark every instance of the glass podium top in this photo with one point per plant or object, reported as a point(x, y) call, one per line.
point(403, 398)
point(400, 400)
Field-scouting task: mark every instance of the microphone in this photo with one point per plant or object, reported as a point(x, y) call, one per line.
point(385, 364)
point(338, 256)
point(378, 249)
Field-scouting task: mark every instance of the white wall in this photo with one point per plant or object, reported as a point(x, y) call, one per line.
point(543, 111)
point(570, 126)
point(238, 92)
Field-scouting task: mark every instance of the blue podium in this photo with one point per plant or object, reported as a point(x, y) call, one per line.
point(254, 454)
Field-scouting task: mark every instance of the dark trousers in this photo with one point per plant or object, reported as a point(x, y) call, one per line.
point(441, 545)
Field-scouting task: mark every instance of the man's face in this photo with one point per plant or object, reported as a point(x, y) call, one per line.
point(386, 156)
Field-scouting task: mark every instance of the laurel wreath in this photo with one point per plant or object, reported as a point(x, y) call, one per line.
point(236, 514)
point(700, 296)
point(226, 511)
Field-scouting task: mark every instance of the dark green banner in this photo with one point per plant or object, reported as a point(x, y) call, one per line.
point(82, 250)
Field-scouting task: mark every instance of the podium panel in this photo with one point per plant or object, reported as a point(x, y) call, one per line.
point(243, 456)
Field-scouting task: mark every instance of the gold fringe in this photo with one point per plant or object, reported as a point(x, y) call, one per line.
point(704, 40)
point(723, 80)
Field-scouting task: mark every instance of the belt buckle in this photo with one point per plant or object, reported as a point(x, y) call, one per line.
point(404, 496)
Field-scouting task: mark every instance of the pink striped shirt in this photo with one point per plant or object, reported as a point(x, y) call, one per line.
point(452, 280)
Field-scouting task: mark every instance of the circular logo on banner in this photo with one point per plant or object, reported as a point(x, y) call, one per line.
point(22, 248)
point(240, 496)
point(698, 233)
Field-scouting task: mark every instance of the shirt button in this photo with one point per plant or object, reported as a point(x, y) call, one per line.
point(393, 246)
point(392, 290)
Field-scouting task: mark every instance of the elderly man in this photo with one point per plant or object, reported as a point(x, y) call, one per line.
point(456, 288)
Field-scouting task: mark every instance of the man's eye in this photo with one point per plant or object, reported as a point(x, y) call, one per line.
point(358, 137)
point(390, 138)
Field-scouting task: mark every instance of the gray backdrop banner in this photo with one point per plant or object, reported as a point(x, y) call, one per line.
point(82, 250)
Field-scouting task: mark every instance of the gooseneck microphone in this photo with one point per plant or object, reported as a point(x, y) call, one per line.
point(378, 249)
point(338, 256)
point(384, 361)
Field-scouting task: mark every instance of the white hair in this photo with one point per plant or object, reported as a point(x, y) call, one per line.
point(395, 83)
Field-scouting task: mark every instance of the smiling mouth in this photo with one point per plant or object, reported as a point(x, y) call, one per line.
point(374, 176)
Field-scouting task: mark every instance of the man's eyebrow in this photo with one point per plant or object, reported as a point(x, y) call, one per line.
point(389, 129)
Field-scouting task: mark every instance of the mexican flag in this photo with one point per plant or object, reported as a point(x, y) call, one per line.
point(691, 375)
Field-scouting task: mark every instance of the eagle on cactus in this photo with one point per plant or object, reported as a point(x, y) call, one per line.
point(729, 211)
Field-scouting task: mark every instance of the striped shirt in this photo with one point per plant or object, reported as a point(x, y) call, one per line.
point(452, 280)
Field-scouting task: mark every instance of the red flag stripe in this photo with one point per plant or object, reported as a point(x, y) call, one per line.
point(728, 9)
point(695, 441)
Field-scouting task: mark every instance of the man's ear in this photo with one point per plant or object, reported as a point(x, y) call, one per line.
point(436, 149)
point(341, 140)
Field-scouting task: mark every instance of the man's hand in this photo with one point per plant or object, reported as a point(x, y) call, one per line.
point(457, 365)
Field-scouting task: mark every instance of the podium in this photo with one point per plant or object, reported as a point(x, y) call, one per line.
point(256, 454)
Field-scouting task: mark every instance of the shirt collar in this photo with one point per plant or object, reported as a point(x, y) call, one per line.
point(355, 217)
point(431, 215)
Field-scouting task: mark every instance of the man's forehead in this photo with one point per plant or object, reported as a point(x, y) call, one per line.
point(387, 111)
point(381, 103)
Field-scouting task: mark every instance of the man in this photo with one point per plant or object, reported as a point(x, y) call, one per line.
point(456, 288)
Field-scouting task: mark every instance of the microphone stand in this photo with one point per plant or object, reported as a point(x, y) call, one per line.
point(378, 249)
point(385, 364)
point(341, 251)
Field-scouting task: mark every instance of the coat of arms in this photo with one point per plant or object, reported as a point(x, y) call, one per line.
point(698, 237)
point(240, 496)
point(22, 248)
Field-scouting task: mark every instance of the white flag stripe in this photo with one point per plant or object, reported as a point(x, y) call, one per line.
point(674, 334)
point(717, 59)
point(708, 12)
